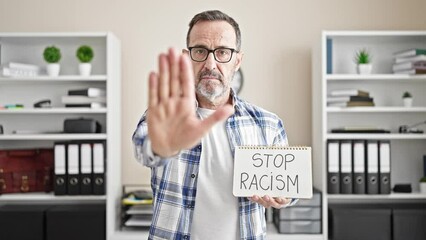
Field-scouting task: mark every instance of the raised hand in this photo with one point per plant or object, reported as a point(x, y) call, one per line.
point(172, 121)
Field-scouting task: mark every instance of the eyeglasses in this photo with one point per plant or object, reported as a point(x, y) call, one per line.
point(222, 55)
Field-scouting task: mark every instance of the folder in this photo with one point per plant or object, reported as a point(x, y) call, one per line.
point(73, 169)
point(372, 167)
point(86, 168)
point(333, 174)
point(60, 178)
point(359, 166)
point(346, 167)
point(98, 169)
point(384, 166)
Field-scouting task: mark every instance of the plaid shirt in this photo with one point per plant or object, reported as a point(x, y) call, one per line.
point(173, 180)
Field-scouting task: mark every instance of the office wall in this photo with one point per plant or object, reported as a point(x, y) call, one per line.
point(277, 37)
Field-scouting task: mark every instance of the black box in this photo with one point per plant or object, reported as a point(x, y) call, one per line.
point(354, 222)
point(409, 222)
point(82, 125)
point(82, 222)
point(22, 222)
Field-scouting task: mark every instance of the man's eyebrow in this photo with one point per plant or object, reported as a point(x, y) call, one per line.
point(204, 46)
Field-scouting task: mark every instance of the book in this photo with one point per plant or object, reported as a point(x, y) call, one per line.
point(412, 71)
point(351, 104)
point(408, 65)
point(12, 72)
point(349, 92)
point(82, 99)
point(411, 59)
point(349, 98)
point(22, 66)
point(86, 105)
point(410, 52)
point(89, 92)
point(359, 130)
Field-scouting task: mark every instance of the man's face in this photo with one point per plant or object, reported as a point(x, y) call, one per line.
point(213, 79)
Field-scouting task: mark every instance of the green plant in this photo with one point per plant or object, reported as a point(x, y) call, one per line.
point(85, 54)
point(52, 54)
point(362, 57)
point(406, 95)
point(423, 179)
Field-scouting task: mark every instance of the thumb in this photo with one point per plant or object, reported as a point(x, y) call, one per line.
point(220, 114)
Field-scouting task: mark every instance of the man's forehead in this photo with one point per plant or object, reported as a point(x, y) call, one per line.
point(213, 32)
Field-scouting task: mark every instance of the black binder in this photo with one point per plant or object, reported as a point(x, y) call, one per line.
point(359, 166)
point(60, 176)
point(73, 169)
point(86, 164)
point(385, 167)
point(346, 167)
point(372, 167)
point(333, 174)
point(98, 169)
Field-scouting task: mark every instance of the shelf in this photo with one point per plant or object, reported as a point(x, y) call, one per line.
point(52, 110)
point(271, 234)
point(64, 78)
point(49, 197)
point(393, 196)
point(74, 136)
point(384, 136)
point(375, 109)
point(377, 77)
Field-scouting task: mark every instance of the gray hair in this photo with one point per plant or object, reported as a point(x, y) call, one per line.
point(215, 15)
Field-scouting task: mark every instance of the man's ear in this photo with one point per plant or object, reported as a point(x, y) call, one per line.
point(239, 60)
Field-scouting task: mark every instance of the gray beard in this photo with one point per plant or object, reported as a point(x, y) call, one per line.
point(213, 94)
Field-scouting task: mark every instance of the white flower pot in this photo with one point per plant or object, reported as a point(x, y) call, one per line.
point(422, 187)
point(53, 69)
point(85, 69)
point(364, 68)
point(408, 102)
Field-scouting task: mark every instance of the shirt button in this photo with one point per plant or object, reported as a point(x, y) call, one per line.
point(199, 147)
point(185, 237)
point(193, 175)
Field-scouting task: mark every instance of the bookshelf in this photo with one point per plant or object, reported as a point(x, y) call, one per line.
point(106, 73)
point(333, 68)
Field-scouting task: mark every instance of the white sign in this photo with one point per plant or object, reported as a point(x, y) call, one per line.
point(273, 171)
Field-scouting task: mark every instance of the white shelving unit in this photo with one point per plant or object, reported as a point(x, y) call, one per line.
point(106, 73)
point(386, 88)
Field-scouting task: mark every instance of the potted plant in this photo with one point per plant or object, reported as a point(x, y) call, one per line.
point(52, 55)
point(363, 61)
point(423, 184)
point(85, 55)
point(408, 99)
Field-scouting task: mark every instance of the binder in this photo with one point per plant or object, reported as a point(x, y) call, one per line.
point(98, 169)
point(333, 174)
point(359, 166)
point(86, 168)
point(384, 166)
point(73, 169)
point(372, 167)
point(60, 178)
point(346, 167)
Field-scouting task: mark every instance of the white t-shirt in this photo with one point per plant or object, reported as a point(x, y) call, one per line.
point(216, 214)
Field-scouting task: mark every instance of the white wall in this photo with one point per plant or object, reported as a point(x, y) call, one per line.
point(277, 38)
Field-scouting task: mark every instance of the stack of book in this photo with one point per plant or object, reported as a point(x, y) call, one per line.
point(14, 69)
point(349, 98)
point(411, 61)
point(86, 98)
point(137, 212)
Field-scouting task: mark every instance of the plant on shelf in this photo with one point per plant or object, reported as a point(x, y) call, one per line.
point(52, 55)
point(85, 55)
point(423, 184)
point(408, 99)
point(363, 61)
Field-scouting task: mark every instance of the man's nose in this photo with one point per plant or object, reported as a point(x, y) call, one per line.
point(210, 62)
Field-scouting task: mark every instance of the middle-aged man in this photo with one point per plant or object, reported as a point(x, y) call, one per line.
point(188, 139)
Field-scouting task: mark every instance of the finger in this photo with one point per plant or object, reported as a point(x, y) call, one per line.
point(174, 73)
point(220, 114)
point(164, 77)
point(153, 90)
point(186, 76)
point(259, 200)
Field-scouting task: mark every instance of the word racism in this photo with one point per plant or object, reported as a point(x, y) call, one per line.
point(276, 179)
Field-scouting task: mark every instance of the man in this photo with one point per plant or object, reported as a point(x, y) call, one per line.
point(188, 139)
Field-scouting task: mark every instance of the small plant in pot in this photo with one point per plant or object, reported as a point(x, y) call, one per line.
point(52, 55)
point(408, 99)
point(423, 185)
point(363, 61)
point(85, 56)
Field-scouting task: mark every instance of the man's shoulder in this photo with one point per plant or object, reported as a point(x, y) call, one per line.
point(246, 108)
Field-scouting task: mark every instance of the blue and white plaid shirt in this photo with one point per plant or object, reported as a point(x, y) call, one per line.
point(174, 182)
